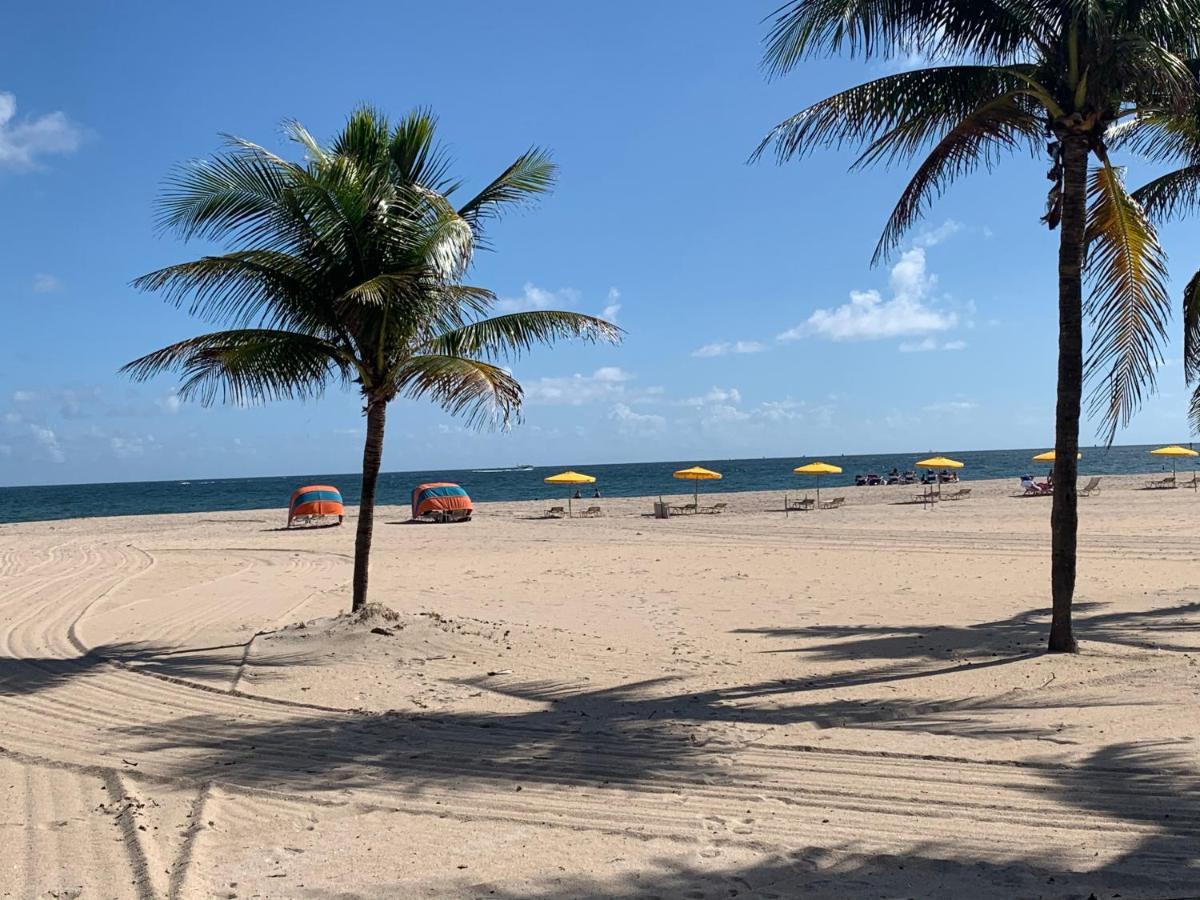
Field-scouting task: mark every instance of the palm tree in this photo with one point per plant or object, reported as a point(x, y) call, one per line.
point(1047, 75)
point(348, 267)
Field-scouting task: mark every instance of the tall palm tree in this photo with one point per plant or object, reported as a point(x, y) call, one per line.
point(348, 267)
point(1048, 75)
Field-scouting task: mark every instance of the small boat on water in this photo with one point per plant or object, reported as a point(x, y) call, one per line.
point(508, 469)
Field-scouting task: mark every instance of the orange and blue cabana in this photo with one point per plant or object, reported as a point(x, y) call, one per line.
point(442, 501)
point(314, 502)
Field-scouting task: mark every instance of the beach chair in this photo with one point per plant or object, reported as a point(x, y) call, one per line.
point(556, 512)
point(960, 494)
point(1092, 487)
point(1194, 484)
point(684, 509)
point(926, 497)
point(715, 508)
point(803, 505)
point(591, 512)
point(1168, 482)
point(835, 503)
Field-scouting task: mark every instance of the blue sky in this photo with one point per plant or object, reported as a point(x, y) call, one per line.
point(756, 325)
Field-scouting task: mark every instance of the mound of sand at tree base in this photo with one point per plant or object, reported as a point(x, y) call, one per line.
point(751, 705)
point(380, 660)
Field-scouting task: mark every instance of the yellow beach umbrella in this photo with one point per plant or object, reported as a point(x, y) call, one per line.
point(1175, 452)
point(938, 462)
point(817, 469)
point(575, 478)
point(697, 474)
point(1048, 456)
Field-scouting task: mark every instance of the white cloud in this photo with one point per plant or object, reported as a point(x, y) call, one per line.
point(607, 382)
point(45, 284)
point(780, 410)
point(49, 441)
point(724, 348)
point(931, 237)
point(929, 344)
point(533, 297)
point(611, 375)
point(24, 396)
point(613, 309)
point(24, 142)
point(716, 396)
point(169, 403)
point(124, 447)
point(869, 317)
point(952, 406)
point(631, 422)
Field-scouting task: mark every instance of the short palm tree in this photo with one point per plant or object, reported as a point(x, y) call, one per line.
point(1049, 75)
point(347, 267)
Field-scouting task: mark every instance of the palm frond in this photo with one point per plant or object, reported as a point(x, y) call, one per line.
point(486, 395)
point(899, 113)
point(1171, 195)
point(416, 157)
point(531, 174)
point(976, 141)
point(246, 365)
point(302, 136)
point(244, 287)
point(232, 196)
point(1191, 330)
point(1128, 303)
point(984, 29)
point(508, 336)
point(1159, 135)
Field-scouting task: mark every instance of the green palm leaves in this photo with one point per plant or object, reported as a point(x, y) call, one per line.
point(1128, 304)
point(354, 256)
point(1020, 75)
point(347, 266)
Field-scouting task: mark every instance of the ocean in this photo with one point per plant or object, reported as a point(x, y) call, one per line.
point(38, 503)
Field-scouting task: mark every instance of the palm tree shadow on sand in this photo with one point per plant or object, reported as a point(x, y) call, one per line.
point(201, 665)
point(654, 736)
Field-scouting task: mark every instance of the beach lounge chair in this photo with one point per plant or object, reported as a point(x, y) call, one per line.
point(556, 512)
point(803, 505)
point(1194, 484)
point(1092, 487)
point(715, 508)
point(1168, 482)
point(591, 512)
point(960, 494)
point(684, 509)
point(835, 503)
point(926, 497)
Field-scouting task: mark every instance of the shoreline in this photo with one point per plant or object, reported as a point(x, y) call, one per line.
point(768, 502)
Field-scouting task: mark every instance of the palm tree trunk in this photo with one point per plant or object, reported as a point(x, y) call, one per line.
point(372, 457)
point(1064, 515)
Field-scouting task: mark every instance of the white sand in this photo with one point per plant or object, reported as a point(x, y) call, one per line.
point(829, 704)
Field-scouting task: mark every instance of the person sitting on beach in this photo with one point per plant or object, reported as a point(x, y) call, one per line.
point(578, 495)
point(597, 494)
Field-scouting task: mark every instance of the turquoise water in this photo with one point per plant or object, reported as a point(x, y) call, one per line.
point(26, 504)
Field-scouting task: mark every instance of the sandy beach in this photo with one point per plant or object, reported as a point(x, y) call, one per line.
point(851, 703)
